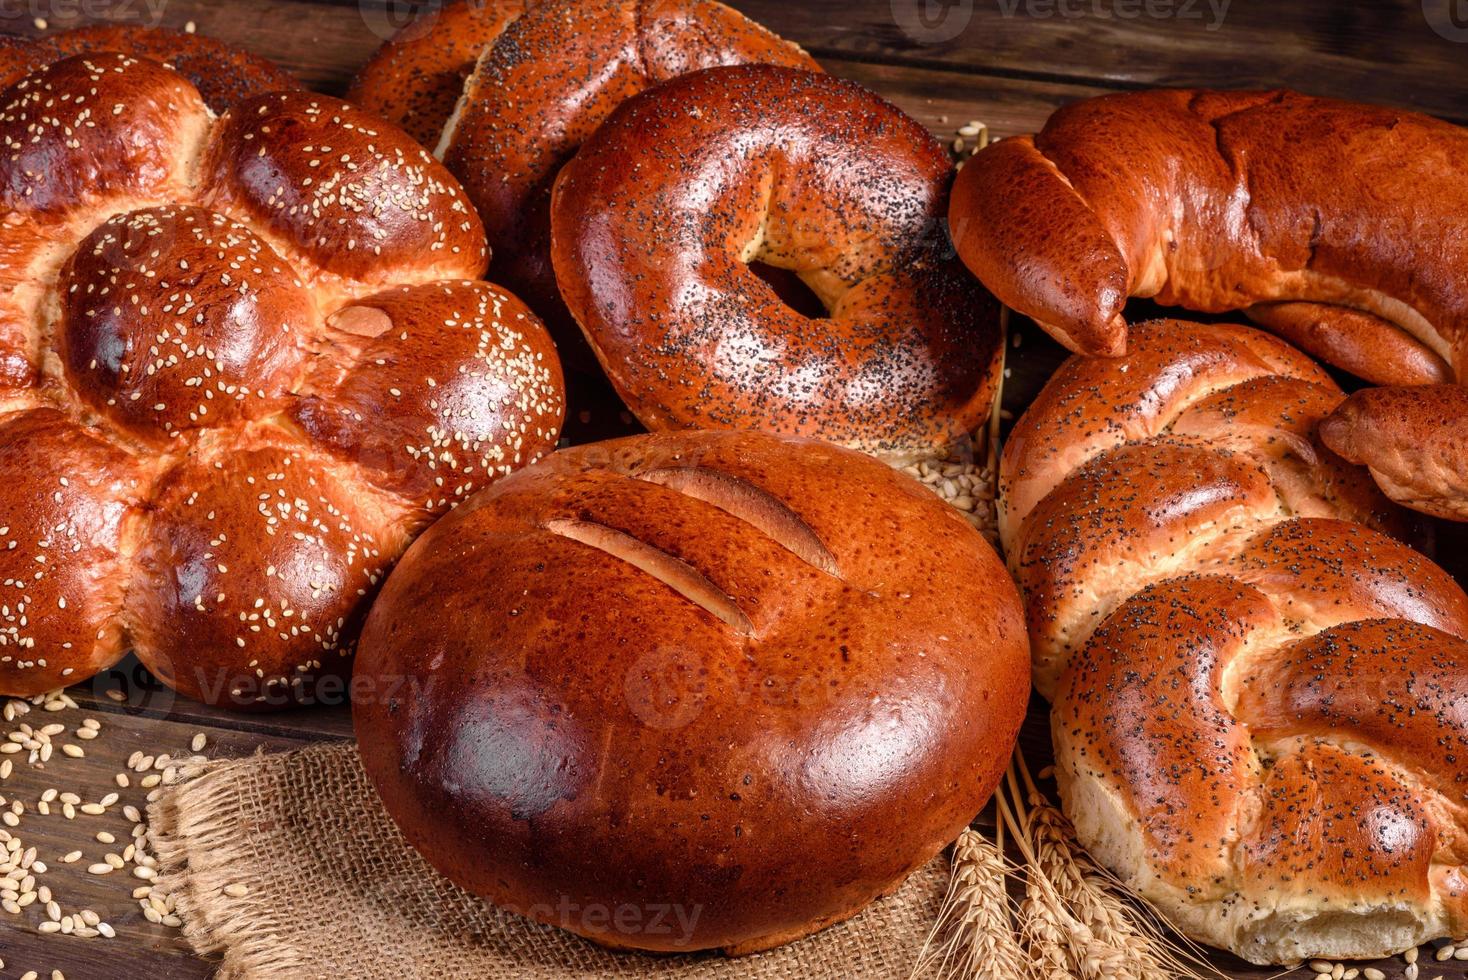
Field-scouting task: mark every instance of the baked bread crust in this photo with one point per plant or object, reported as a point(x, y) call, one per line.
point(755, 679)
point(544, 87)
point(416, 77)
point(1257, 692)
point(659, 217)
point(242, 362)
point(1338, 225)
point(223, 74)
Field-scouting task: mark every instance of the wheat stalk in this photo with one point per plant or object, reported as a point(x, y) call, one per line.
point(1044, 922)
point(1076, 919)
point(974, 936)
point(1110, 931)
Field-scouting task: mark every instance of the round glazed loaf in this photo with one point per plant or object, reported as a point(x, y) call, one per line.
point(223, 74)
point(754, 679)
point(242, 362)
point(1342, 227)
point(658, 219)
point(547, 83)
point(1258, 695)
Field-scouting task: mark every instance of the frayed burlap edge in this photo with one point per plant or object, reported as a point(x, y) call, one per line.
point(195, 833)
point(287, 866)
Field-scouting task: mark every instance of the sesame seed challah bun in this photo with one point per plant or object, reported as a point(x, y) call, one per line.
point(223, 73)
point(1258, 691)
point(243, 360)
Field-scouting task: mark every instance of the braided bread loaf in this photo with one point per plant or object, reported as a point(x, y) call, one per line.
point(1259, 696)
point(242, 362)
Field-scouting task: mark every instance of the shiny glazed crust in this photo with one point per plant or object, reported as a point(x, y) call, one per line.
point(1415, 441)
point(545, 86)
point(657, 220)
point(242, 363)
point(1342, 227)
point(223, 74)
point(415, 78)
point(756, 678)
point(1256, 692)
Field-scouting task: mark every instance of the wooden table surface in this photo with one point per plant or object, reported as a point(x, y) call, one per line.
point(1008, 63)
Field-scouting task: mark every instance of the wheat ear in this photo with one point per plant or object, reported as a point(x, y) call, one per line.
point(1123, 936)
point(974, 938)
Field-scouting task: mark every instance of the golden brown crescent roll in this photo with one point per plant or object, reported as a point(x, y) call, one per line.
point(1415, 441)
point(1257, 693)
point(1341, 226)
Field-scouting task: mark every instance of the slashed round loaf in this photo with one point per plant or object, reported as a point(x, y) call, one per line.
point(242, 362)
point(1257, 692)
point(692, 690)
point(223, 74)
point(657, 222)
point(1340, 226)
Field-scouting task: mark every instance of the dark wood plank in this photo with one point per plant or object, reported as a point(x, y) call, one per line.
point(1385, 51)
point(141, 948)
point(324, 45)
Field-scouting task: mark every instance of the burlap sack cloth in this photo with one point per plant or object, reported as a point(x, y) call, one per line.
point(334, 891)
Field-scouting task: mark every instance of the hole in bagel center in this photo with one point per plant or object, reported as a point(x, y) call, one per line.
point(791, 289)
